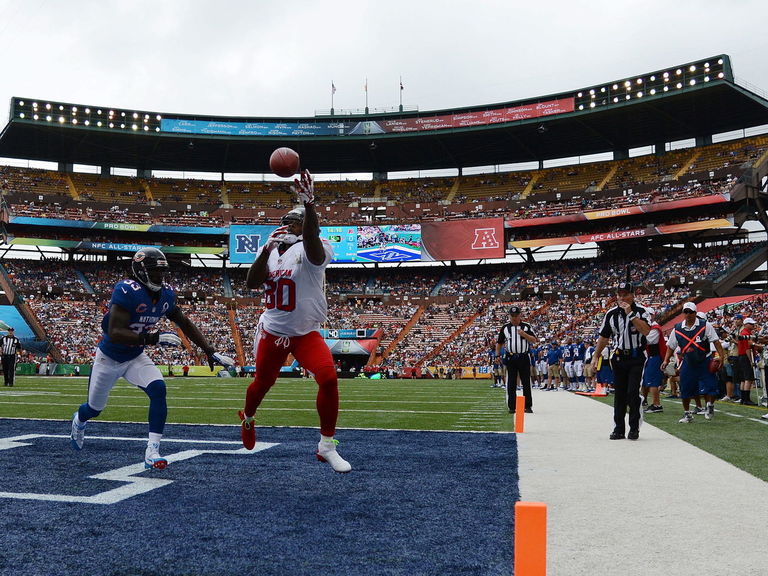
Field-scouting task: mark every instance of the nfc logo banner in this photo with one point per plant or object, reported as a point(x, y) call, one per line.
point(245, 241)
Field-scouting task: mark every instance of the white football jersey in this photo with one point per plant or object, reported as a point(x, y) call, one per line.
point(294, 292)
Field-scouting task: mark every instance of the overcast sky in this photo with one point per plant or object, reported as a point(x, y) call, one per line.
point(258, 58)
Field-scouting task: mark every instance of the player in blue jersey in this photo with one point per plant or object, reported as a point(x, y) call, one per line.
point(134, 309)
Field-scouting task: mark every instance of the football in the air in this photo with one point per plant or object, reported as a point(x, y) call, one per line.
point(284, 162)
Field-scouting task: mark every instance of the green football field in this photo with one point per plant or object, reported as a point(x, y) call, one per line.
point(456, 405)
point(736, 435)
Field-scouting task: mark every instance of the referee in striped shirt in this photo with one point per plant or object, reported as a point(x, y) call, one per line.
point(9, 346)
point(626, 324)
point(517, 336)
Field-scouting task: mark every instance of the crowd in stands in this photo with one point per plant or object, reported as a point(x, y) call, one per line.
point(423, 328)
point(188, 202)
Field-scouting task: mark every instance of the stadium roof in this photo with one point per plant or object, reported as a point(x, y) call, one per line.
point(695, 100)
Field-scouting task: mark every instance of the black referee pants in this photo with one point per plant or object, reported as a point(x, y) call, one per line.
point(519, 365)
point(9, 368)
point(627, 374)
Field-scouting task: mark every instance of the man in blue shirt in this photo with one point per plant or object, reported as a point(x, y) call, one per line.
point(554, 360)
point(134, 309)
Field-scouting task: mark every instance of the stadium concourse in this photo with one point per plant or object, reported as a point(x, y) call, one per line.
point(655, 507)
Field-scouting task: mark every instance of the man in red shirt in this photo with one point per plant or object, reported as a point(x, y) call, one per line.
point(746, 360)
point(656, 350)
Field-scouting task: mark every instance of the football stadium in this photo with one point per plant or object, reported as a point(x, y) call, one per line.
point(546, 208)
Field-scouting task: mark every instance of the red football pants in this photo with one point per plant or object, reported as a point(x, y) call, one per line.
point(313, 354)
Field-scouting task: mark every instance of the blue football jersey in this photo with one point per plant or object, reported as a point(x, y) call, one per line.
point(145, 313)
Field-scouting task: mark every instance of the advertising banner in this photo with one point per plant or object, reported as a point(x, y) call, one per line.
point(616, 212)
point(121, 226)
point(336, 128)
point(115, 246)
point(624, 234)
point(463, 239)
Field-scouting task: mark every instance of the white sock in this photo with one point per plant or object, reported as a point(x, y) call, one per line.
point(154, 437)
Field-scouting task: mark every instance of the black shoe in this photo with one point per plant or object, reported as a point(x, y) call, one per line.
point(748, 403)
point(511, 411)
point(529, 410)
point(633, 435)
point(616, 436)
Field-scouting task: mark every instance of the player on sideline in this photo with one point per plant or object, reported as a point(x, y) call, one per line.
point(135, 307)
point(291, 268)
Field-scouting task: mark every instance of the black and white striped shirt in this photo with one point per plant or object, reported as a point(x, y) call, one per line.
point(510, 335)
point(618, 326)
point(9, 345)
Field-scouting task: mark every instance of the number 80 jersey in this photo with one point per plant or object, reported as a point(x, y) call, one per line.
point(294, 292)
point(145, 313)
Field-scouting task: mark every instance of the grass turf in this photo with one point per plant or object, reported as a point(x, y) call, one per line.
point(455, 405)
point(736, 434)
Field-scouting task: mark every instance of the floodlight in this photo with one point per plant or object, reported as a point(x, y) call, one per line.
point(135, 115)
point(87, 110)
point(48, 106)
point(578, 95)
point(653, 91)
point(720, 61)
point(627, 83)
point(720, 75)
point(706, 78)
point(48, 118)
point(592, 92)
point(158, 117)
point(706, 64)
point(666, 88)
point(627, 97)
point(98, 112)
point(134, 127)
point(640, 94)
point(98, 123)
point(36, 117)
point(157, 129)
point(639, 81)
point(146, 128)
point(602, 89)
point(692, 68)
point(122, 114)
point(34, 104)
point(74, 121)
point(87, 123)
point(666, 75)
point(21, 102)
point(581, 107)
point(61, 107)
point(692, 82)
point(615, 99)
point(74, 109)
point(61, 119)
point(679, 85)
point(653, 78)
point(21, 115)
point(146, 116)
point(111, 125)
point(122, 125)
point(615, 86)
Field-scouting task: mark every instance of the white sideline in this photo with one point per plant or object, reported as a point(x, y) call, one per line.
point(654, 507)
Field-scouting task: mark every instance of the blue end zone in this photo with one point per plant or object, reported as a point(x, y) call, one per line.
point(415, 503)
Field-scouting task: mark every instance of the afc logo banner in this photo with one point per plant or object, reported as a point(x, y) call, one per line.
point(485, 238)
